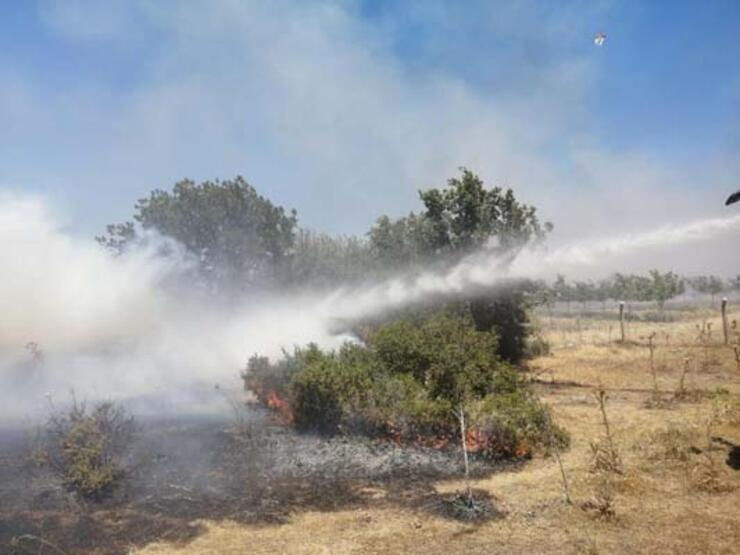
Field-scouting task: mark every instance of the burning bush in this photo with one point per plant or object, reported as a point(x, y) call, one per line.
point(85, 446)
point(408, 382)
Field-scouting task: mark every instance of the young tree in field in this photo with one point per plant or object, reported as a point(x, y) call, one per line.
point(238, 236)
point(632, 288)
point(642, 288)
point(665, 286)
point(734, 283)
point(603, 292)
point(699, 283)
point(543, 294)
point(563, 291)
point(709, 285)
point(623, 287)
point(716, 286)
point(584, 292)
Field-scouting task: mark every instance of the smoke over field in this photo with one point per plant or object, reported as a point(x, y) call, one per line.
point(132, 325)
point(120, 326)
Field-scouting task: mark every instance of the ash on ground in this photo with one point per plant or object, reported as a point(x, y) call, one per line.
point(184, 469)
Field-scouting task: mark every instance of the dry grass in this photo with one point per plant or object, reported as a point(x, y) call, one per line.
point(675, 494)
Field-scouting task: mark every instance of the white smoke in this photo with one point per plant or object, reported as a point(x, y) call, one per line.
point(120, 325)
point(587, 258)
point(116, 327)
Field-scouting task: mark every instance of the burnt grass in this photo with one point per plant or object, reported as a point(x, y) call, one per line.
point(181, 470)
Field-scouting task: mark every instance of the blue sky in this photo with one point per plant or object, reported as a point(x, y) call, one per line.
point(344, 109)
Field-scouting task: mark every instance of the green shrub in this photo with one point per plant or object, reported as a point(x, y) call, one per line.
point(86, 447)
point(408, 381)
point(331, 389)
point(445, 353)
point(401, 348)
point(264, 378)
point(316, 400)
point(505, 313)
point(515, 423)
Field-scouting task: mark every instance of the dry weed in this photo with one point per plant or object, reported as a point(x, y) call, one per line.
point(605, 456)
point(705, 475)
point(676, 442)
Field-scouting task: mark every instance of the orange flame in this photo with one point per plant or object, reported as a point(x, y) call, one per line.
point(280, 405)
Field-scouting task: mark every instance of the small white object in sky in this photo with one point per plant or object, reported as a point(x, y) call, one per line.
point(599, 39)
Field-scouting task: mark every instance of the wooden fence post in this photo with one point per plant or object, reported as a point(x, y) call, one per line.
point(621, 318)
point(724, 320)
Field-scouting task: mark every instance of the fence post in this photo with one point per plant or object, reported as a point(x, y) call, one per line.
point(724, 320)
point(621, 318)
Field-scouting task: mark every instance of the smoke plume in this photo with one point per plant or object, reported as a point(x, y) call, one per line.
point(76, 318)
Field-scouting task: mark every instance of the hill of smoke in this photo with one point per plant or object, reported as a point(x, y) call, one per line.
point(134, 326)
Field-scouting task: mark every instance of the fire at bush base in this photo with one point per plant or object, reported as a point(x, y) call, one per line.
point(407, 383)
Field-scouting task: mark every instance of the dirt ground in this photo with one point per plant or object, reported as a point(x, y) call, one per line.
point(677, 489)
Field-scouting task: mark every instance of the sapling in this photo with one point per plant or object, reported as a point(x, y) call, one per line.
point(556, 451)
point(461, 417)
point(681, 392)
point(606, 462)
point(651, 346)
point(606, 456)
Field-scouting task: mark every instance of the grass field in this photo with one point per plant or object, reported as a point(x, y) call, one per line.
point(679, 486)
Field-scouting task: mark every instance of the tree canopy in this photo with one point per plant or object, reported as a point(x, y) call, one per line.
point(241, 239)
point(456, 220)
point(238, 236)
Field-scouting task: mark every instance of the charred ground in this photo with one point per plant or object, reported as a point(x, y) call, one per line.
point(182, 470)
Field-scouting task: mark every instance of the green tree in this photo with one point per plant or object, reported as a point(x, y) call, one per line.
point(604, 291)
point(665, 286)
point(563, 291)
point(395, 244)
point(584, 292)
point(709, 285)
point(642, 288)
point(716, 286)
point(734, 283)
point(457, 220)
point(321, 260)
point(118, 237)
point(699, 283)
point(239, 237)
